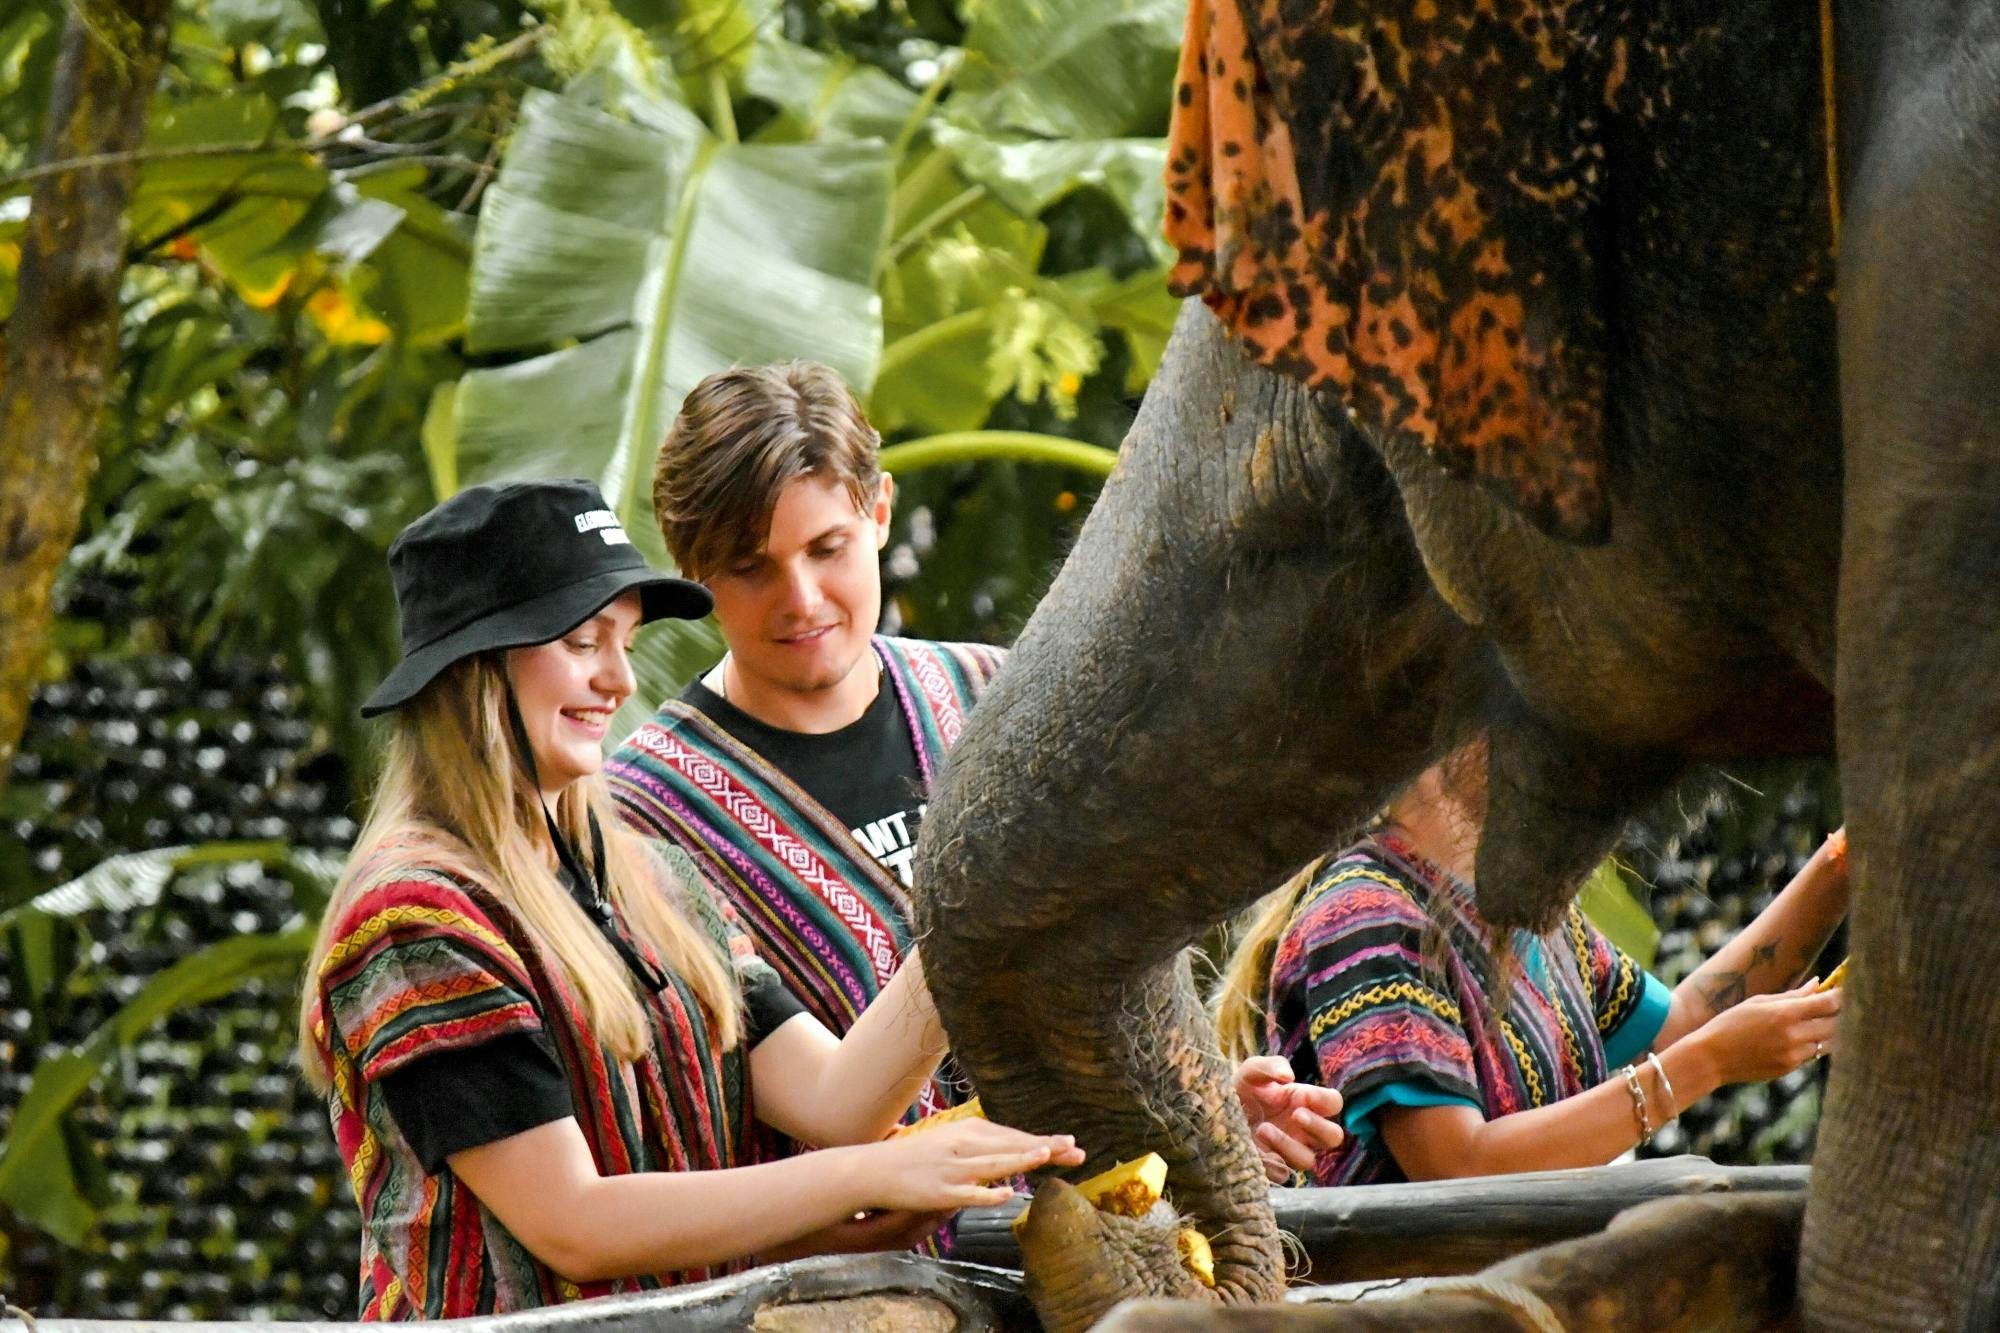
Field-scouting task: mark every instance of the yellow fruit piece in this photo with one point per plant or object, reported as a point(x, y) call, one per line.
point(1196, 1256)
point(1838, 975)
point(1129, 1189)
point(969, 1110)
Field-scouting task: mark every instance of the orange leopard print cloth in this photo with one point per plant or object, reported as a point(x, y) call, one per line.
point(1393, 200)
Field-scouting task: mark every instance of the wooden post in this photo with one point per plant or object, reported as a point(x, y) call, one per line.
point(62, 339)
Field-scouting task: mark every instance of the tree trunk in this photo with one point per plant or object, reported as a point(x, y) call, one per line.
point(63, 336)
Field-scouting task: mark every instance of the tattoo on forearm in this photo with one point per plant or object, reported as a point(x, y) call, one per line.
point(1727, 989)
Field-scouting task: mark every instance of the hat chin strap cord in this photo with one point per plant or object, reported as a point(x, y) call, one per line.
point(591, 891)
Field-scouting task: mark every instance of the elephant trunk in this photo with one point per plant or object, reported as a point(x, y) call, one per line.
point(1557, 804)
point(1239, 662)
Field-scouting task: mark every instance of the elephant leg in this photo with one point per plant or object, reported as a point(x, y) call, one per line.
point(1080, 1262)
point(1239, 663)
point(1904, 1225)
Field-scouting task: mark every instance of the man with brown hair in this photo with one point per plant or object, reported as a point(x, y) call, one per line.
point(795, 772)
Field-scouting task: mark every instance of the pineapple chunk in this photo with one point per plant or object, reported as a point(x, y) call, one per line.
point(1196, 1256)
point(1838, 975)
point(1129, 1189)
point(969, 1110)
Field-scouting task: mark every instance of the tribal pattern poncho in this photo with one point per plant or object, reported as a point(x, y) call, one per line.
point(825, 913)
point(1384, 986)
point(423, 961)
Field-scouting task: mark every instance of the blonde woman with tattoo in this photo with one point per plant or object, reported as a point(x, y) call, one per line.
point(1374, 974)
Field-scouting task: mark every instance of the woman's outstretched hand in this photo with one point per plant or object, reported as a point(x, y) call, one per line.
point(965, 1164)
point(1768, 1036)
point(1291, 1122)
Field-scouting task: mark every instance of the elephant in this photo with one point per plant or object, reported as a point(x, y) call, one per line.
point(1616, 380)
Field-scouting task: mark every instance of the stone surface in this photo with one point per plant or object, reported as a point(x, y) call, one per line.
point(886, 1313)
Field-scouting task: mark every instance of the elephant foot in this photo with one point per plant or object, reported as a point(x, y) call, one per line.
point(1080, 1262)
point(1716, 1264)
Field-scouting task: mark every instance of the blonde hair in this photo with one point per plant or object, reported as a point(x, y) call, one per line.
point(1242, 993)
point(452, 778)
point(741, 436)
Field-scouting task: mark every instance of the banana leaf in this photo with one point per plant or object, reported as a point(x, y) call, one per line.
point(827, 95)
point(624, 253)
point(709, 43)
point(668, 255)
point(1607, 899)
point(139, 879)
point(37, 1181)
point(1071, 69)
point(1029, 174)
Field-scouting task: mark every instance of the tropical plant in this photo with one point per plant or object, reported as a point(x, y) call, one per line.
point(316, 342)
point(44, 1164)
point(706, 191)
point(295, 290)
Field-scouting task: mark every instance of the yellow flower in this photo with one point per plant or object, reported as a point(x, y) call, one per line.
point(342, 321)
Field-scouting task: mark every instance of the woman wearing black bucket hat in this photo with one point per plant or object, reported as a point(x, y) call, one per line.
point(545, 1053)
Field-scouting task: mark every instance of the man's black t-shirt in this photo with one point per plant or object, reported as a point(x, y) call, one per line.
point(865, 774)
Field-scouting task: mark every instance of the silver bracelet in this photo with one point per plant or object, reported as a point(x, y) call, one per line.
point(1638, 1103)
point(1666, 1086)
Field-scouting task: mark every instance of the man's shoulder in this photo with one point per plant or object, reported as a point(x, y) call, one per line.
point(982, 650)
point(675, 729)
point(975, 662)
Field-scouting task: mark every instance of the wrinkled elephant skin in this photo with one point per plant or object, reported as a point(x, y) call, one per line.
point(1287, 603)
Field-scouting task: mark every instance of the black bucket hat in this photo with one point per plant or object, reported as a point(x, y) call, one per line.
point(510, 564)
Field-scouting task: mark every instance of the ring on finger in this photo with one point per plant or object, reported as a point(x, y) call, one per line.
point(1819, 1050)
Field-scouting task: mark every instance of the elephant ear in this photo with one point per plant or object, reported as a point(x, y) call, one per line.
point(1396, 201)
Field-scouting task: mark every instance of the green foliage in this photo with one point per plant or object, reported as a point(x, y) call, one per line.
point(1607, 899)
point(296, 292)
point(46, 1169)
point(381, 249)
point(138, 879)
point(1073, 69)
point(668, 254)
point(39, 1168)
point(637, 240)
point(30, 34)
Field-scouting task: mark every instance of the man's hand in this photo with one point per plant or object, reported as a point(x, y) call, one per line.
point(1292, 1123)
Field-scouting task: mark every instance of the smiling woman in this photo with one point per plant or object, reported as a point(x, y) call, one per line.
point(568, 689)
point(517, 1008)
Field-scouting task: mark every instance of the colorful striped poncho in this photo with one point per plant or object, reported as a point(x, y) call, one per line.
point(1383, 987)
point(425, 960)
point(825, 913)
